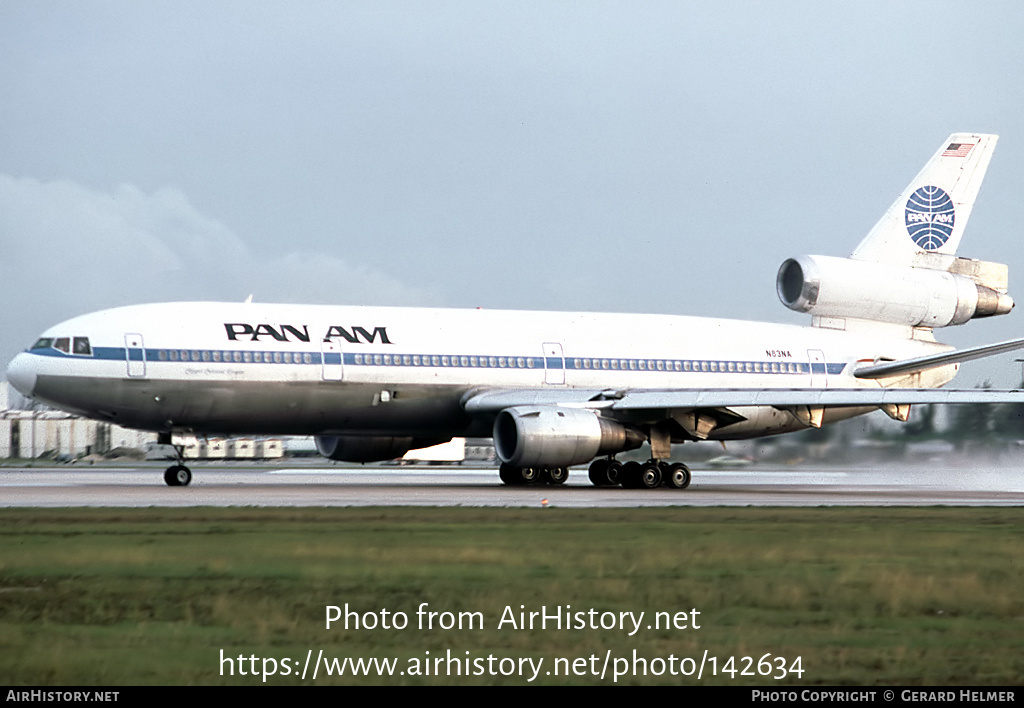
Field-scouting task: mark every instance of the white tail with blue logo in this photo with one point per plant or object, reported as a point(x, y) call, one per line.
point(905, 272)
point(932, 212)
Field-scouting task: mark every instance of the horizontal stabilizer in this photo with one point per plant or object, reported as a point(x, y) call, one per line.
point(932, 361)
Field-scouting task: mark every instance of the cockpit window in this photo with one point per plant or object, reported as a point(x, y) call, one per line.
point(68, 345)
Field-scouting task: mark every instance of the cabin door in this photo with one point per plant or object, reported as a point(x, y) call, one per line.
point(333, 359)
point(135, 355)
point(554, 363)
point(819, 373)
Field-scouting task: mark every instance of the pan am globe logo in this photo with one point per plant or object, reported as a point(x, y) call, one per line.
point(930, 217)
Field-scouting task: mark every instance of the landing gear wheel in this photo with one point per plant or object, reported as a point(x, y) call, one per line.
point(512, 476)
point(558, 475)
point(630, 476)
point(614, 472)
point(678, 476)
point(598, 473)
point(178, 476)
point(605, 473)
point(650, 475)
point(529, 475)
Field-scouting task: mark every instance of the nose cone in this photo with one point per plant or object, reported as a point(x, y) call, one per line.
point(22, 374)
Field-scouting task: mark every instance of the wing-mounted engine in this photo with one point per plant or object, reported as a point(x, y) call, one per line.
point(925, 294)
point(553, 436)
point(360, 448)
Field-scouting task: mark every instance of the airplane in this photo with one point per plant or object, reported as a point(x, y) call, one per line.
point(554, 389)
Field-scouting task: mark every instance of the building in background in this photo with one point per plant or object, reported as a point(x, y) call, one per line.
point(30, 431)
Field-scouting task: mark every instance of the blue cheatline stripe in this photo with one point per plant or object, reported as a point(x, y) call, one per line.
point(450, 361)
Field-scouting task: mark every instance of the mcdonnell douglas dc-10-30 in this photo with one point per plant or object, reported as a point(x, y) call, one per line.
point(554, 389)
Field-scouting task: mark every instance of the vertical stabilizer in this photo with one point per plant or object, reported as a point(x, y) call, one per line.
point(930, 215)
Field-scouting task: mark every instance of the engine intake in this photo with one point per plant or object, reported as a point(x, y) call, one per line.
point(842, 287)
point(550, 436)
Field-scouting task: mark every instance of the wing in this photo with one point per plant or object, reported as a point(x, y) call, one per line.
point(650, 399)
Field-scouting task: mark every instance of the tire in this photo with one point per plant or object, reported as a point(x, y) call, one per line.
point(558, 475)
point(178, 476)
point(678, 476)
point(630, 477)
point(650, 475)
point(614, 472)
point(512, 476)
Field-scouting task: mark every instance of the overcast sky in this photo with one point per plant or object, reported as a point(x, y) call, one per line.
point(634, 156)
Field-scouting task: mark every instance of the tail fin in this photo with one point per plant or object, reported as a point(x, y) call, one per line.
point(931, 213)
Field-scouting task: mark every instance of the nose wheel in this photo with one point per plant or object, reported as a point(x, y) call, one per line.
point(178, 476)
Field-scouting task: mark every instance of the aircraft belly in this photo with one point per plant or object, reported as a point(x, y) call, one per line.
point(762, 421)
point(279, 408)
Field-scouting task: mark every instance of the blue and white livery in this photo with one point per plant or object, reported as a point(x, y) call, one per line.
point(554, 389)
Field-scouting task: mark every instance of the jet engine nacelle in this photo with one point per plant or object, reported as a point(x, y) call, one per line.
point(365, 448)
point(841, 287)
point(550, 436)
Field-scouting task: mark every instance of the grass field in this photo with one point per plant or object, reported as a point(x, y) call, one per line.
point(862, 596)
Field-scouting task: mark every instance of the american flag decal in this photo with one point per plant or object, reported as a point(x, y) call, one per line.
point(958, 150)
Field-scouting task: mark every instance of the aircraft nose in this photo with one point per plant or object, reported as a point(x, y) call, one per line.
point(21, 373)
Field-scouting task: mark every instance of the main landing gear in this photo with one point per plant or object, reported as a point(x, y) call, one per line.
point(637, 475)
point(177, 475)
point(520, 476)
point(605, 473)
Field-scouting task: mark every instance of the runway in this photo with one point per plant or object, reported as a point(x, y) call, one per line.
point(320, 485)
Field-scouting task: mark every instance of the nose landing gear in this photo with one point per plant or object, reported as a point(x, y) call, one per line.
point(177, 475)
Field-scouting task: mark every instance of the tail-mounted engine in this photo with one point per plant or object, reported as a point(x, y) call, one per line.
point(826, 286)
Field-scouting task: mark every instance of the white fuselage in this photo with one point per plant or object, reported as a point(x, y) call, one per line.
point(301, 369)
